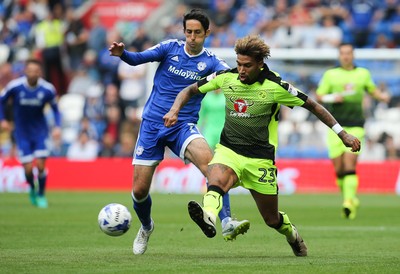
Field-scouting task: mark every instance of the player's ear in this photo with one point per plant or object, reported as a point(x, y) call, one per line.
point(261, 64)
point(208, 32)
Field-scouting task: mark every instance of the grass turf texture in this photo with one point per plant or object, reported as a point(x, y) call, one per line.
point(65, 238)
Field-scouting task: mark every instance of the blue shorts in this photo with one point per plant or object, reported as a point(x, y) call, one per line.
point(154, 137)
point(31, 148)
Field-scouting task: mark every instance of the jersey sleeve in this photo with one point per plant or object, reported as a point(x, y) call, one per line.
point(289, 95)
point(211, 82)
point(153, 54)
point(323, 86)
point(51, 99)
point(1, 107)
point(56, 112)
point(4, 95)
point(221, 65)
point(370, 85)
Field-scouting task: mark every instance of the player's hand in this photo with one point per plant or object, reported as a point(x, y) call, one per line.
point(350, 141)
point(338, 99)
point(386, 97)
point(170, 119)
point(116, 49)
point(5, 125)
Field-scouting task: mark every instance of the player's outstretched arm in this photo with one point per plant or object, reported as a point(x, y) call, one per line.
point(381, 96)
point(326, 117)
point(183, 97)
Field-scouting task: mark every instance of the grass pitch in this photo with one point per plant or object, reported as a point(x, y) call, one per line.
point(65, 238)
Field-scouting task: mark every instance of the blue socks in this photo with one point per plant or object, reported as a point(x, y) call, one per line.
point(143, 210)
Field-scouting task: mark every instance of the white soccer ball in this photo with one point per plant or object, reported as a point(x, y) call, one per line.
point(114, 219)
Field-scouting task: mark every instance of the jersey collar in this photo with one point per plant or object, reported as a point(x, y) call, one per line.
point(187, 53)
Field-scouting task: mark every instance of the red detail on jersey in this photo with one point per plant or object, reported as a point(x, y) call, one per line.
point(241, 105)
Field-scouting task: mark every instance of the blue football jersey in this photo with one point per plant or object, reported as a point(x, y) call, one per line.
point(176, 70)
point(28, 107)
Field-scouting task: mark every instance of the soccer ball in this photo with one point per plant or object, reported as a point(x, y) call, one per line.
point(114, 219)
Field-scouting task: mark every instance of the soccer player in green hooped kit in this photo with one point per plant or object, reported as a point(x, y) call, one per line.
point(245, 155)
point(342, 90)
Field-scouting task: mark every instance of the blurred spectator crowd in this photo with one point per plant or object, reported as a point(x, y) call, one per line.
point(101, 98)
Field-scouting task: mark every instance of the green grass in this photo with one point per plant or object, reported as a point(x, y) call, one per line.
point(66, 239)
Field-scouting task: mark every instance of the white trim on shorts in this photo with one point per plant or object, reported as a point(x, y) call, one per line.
point(36, 154)
point(145, 162)
point(26, 159)
point(185, 144)
point(41, 153)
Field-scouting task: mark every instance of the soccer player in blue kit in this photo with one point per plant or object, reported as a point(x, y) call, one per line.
point(181, 63)
point(30, 94)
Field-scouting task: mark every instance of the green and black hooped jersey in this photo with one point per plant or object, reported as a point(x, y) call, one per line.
point(252, 111)
point(351, 84)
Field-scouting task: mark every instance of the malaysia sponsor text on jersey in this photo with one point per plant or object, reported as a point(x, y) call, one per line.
point(187, 74)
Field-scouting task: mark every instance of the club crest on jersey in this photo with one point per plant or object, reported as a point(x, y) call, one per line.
point(139, 150)
point(201, 66)
point(240, 106)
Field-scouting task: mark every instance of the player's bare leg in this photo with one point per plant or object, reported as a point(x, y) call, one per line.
point(268, 208)
point(142, 204)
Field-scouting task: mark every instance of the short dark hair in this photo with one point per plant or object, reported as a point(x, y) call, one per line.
point(199, 15)
point(33, 61)
point(346, 44)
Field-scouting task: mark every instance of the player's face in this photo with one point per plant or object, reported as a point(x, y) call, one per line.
point(346, 55)
point(195, 36)
point(33, 72)
point(248, 68)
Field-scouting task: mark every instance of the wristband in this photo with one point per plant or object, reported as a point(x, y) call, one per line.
point(337, 128)
point(329, 98)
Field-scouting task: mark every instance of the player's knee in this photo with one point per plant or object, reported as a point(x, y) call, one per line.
point(139, 195)
point(202, 164)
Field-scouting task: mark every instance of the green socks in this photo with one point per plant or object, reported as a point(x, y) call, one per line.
point(212, 202)
point(350, 185)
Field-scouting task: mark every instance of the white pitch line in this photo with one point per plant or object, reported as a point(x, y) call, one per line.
point(350, 228)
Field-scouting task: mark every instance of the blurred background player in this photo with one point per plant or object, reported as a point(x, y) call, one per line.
point(30, 94)
point(342, 91)
point(181, 64)
point(212, 117)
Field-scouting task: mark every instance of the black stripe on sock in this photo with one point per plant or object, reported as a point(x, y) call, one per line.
point(216, 189)
point(350, 172)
